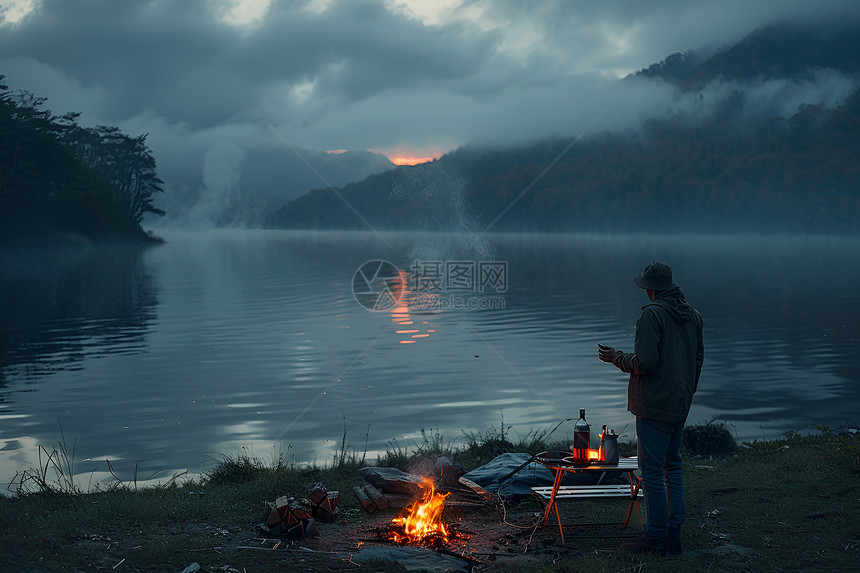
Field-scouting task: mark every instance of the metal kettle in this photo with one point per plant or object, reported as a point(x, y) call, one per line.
point(610, 447)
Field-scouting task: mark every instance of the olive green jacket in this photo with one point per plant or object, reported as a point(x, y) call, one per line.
point(666, 361)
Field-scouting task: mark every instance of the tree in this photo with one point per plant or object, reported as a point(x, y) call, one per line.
point(56, 174)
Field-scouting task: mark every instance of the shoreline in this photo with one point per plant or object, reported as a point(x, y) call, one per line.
point(787, 504)
point(99, 473)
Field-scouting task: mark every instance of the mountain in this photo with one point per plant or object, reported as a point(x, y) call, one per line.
point(792, 52)
point(730, 160)
point(244, 191)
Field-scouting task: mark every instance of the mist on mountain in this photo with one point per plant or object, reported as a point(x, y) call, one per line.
point(760, 136)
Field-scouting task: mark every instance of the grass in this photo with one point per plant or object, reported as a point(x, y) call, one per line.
point(55, 472)
point(784, 505)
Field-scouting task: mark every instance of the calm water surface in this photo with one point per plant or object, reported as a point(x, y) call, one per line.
point(223, 342)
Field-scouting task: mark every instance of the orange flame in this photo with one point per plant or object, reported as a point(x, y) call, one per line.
point(423, 520)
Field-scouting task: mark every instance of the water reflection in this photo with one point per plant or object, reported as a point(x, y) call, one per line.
point(780, 342)
point(59, 307)
point(220, 341)
point(410, 328)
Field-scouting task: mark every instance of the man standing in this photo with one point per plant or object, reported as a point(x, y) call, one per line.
point(664, 370)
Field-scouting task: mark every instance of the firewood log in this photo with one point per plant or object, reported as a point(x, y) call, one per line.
point(365, 501)
point(376, 497)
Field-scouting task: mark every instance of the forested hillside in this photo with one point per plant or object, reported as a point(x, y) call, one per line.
point(784, 52)
point(60, 180)
point(724, 170)
point(796, 175)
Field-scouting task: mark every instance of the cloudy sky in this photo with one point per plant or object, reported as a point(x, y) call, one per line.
point(404, 77)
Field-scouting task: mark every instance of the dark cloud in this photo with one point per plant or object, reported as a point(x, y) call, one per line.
point(368, 73)
point(179, 60)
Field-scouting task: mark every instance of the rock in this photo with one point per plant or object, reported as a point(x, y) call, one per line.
point(392, 480)
point(412, 558)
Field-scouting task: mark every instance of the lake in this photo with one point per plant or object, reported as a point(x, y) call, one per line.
point(163, 359)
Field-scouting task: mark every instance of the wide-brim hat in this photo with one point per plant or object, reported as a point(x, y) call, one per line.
point(656, 276)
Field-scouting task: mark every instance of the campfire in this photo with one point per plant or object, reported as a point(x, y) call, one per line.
point(421, 524)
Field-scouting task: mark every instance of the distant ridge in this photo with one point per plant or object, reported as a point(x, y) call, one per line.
point(776, 51)
point(723, 172)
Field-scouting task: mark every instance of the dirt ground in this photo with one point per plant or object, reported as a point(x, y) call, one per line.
point(481, 538)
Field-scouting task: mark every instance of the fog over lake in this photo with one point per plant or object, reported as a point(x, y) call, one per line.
point(217, 341)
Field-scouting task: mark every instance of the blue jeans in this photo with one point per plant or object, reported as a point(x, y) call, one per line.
point(659, 452)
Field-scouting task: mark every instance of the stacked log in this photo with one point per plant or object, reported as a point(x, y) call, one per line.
point(324, 502)
point(371, 499)
point(295, 518)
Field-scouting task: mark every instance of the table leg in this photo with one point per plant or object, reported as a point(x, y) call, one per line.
point(638, 485)
point(634, 498)
point(560, 528)
point(555, 485)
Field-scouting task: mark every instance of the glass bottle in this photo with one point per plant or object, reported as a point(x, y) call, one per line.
point(581, 439)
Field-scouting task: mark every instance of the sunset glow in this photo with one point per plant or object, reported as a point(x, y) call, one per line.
point(407, 160)
point(405, 155)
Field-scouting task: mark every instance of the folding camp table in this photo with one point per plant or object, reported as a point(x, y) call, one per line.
point(562, 466)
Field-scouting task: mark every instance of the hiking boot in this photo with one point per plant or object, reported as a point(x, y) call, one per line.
point(673, 542)
point(643, 545)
